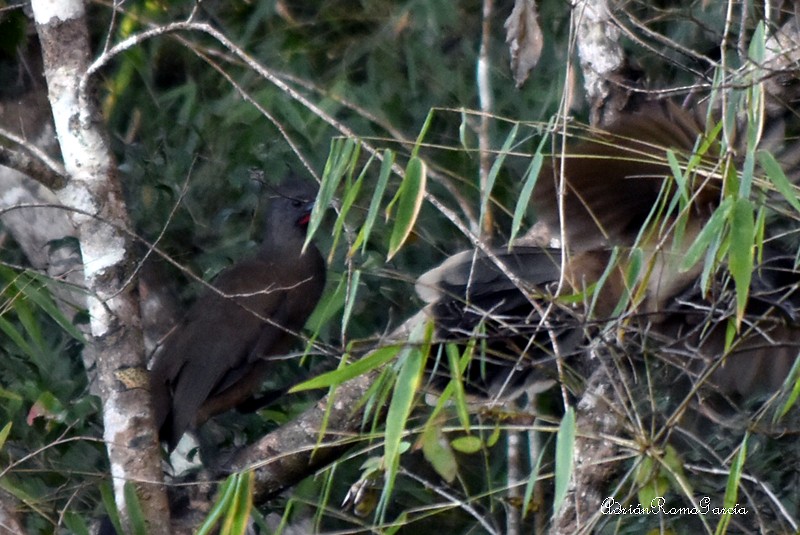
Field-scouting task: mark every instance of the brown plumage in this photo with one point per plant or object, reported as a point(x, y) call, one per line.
point(218, 356)
point(614, 177)
point(613, 181)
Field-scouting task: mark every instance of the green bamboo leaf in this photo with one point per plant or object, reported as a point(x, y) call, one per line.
point(225, 496)
point(494, 437)
point(565, 447)
point(412, 364)
point(457, 366)
point(374, 205)
point(342, 156)
point(677, 174)
point(531, 177)
point(531, 484)
point(15, 336)
point(350, 300)
point(374, 360)
point(399, 523)
point(778, 178)
point(422, 133)
point(757, 49)
point(740, 254)
point(486, 192)
point(438, 453)
point(748, 168)
point(27, 317)
point(331, 302)
point(237, 516)
point(650, 484)
point(135, 513)
point(792, 385)
point(468, 444)
point(732, 487)
point(454, 385)
point(350, 196)
point(75, 523)
point(33, 286)
point(409, 201)
point(711, 231)
point(710, 262)
point(673, 468)
point(107, 496)
point(4, 434)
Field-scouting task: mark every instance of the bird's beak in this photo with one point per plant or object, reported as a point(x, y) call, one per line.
point(306, 217)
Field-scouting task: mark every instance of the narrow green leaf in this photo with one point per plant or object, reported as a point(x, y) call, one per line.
point(732, 487)
point(565, 447)
point(350, 300)
point(75, 523)
point(778, 178)
point(422, 133)
point(14, 335)
point(107, 495)
point(531, 484)
point(411, 362)
point(225, 496)
point(792, 385)
point(531, 177)
point(237, 516)
point(710, 262)
point(677, 174)
point(405, 390)
point(374, 205)
point(376, 359)
point(748, 168)
point(27, 318)
point(35, 290)
point(332, 301)
point(740, 254)
point(455, 386)
point(486, 191)
point(757, 48)
point(399, 523)
point(712, 230)
point(457, 366)
point(342, 156)
point(350, 196)
point(597, 288)
point(135, 513)
point(4, 434)
point(494, 437)
point(410, 196)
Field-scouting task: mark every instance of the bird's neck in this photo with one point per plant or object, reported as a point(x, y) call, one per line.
point(281, 246)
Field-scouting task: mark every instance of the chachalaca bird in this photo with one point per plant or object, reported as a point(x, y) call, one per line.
point(617, 188)
point(217, 357)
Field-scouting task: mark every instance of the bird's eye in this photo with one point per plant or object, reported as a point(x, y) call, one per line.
point(297, 204)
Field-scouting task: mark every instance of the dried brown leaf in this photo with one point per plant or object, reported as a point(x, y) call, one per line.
point(524, 38)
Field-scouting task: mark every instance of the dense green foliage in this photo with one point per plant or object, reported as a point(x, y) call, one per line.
point(192, 152)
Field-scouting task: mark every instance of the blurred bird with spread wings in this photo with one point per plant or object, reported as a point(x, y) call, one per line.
point(618, 212)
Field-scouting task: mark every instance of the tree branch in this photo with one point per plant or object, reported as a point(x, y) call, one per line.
point(94, 188)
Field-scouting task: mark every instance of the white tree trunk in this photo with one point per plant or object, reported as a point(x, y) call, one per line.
point(98, 212)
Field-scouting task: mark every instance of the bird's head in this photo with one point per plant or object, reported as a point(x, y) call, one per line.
point(289, 210)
